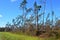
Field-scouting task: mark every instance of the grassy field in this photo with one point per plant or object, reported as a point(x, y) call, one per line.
point(11, 36)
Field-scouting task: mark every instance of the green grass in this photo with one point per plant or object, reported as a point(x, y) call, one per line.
point(11, 36)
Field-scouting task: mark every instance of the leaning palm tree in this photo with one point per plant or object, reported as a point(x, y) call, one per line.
point(47, 16)
point(52, 17)
point(36, 10)
point(27, 11)
point(7, 26)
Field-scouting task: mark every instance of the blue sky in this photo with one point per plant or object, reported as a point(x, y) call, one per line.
point(9, 9)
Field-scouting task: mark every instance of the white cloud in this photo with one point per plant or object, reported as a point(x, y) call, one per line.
point(1, 16)
point(13, 0)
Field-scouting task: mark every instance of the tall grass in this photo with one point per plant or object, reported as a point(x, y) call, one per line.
point(10, 36)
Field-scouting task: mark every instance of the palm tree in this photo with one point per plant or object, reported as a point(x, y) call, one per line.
point(52, 17)
point(14, 26)
point(36, 10)
point(47, 16)
point(23, 6)
point(13, 21)
point(27, 11)
point(47, 24)
point(7, 26)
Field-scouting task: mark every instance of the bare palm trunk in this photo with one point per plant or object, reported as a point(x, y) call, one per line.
point(37, 20)
point(43, 19)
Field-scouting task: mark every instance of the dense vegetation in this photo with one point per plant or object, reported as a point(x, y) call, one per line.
point(34, 25)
